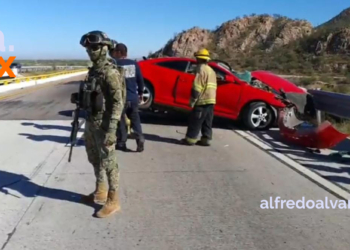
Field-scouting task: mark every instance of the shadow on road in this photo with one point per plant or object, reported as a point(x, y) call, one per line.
point(167, 119)
point(333, 178)
point(49, 127)
point(69, 113)
point(75, 82)
point(339, 179)
point(174, 119)
point(157, 138)
point(52, 138)
point(343, 146)
point(180, 119)
point(24, 186)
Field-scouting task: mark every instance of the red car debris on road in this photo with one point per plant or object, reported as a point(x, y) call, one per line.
point(300, 124)
point(249, 96)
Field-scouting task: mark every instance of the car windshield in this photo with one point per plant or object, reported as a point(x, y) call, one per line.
point(244, 76)
point(222, 65)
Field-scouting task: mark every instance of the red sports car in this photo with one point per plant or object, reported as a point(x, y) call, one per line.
point(247, 96)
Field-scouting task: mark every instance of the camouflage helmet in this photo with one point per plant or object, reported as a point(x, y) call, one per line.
point(95, 37)
point(114, 44)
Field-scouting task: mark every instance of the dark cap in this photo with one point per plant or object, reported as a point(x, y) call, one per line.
point(122, 48)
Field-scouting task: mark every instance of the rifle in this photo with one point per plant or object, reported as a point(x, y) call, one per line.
point(76, 98)
point(74, 131)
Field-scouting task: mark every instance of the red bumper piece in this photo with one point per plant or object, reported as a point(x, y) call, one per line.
point(324, 136)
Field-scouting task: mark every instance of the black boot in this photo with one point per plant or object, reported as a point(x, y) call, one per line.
point(140, 145)
point(121, 146)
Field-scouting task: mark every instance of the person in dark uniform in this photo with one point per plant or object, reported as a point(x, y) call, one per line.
point(134, 86)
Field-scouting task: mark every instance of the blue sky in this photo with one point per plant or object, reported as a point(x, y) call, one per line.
point(51, 29)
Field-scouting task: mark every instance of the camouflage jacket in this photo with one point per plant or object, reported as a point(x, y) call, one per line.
point(108, 95)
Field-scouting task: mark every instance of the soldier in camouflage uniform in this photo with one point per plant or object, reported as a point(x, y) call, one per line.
point(103, 102)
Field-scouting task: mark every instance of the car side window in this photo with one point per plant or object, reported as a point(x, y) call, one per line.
point(220, 75)
point(192, 68)
point(175, 65)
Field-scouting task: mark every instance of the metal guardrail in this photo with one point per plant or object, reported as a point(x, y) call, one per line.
point(24, 69)
point(333, 103)
point(38, 77)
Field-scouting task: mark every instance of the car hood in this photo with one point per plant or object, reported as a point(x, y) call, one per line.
point(276, 82)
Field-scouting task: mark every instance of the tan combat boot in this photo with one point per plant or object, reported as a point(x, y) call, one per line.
point(111, 206)
point(99, 196)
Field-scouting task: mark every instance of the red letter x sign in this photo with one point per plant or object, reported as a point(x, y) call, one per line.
point(5, 66)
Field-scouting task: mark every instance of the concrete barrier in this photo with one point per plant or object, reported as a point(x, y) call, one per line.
point(23, 82)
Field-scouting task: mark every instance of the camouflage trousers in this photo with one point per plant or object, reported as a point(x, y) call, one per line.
point(102, 158)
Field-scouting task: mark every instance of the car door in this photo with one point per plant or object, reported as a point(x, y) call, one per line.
point(167, 78)
point(228, 93)
point(184, 84)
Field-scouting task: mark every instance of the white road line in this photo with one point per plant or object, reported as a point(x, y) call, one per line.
point(314, 177)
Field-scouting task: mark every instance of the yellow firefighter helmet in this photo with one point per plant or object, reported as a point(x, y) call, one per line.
point(202, 54)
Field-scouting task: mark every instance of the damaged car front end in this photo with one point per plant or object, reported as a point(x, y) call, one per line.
point(299, 122)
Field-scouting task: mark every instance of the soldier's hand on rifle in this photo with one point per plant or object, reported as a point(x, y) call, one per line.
point(109, 139)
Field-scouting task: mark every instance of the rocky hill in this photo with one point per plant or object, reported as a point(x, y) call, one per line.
point(272, 43)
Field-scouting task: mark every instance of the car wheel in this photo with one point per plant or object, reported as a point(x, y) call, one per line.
point(258, 116)
point(147, 97)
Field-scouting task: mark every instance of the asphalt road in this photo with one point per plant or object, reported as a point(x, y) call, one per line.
point(48, 102)
point(172, 196)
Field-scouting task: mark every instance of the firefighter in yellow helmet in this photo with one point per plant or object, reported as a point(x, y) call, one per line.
point(203, 100)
